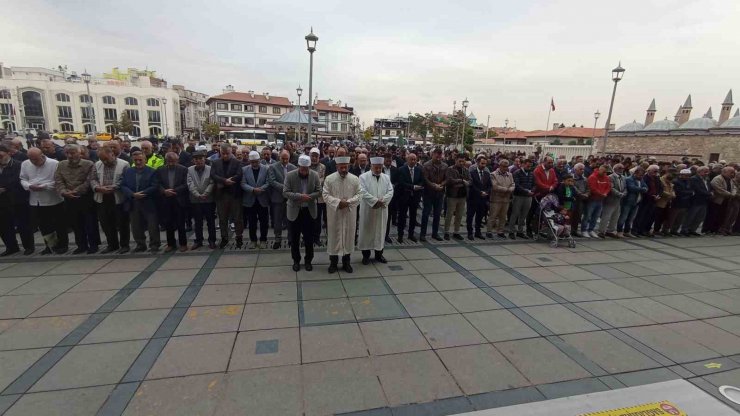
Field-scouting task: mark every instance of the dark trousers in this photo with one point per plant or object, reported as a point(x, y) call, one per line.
point(334, 260)
point(677, 216)
point(366, 253)
point(143, 220)
point(715, 213)
point(696, 215)
point(174, 219)
point(114, 220)
point(645, 216)
point(257, 213)
point(51, 219)
point(16, 218)
point(320, 212)
point(229, 208)
point(205, 211)
point(477, 208)
point(432, 205)
point(407, 209)
point(303, 225)
point(661, 219)
point(84, 224)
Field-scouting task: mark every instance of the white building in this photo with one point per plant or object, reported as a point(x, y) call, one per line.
point(52, 100)
point(193, 109)
point(335, 120)
point(239, 111)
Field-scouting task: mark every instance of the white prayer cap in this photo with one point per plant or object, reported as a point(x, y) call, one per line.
point(315, 150)
point(201, 147)
point(254, 155)
point(722, 162)
point(342, 159)
point(304, 160)
point(377, 160)
point(685, 172)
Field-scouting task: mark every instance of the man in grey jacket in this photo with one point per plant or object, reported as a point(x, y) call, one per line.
point(302, 189)
point(276, 174)
point(611, 210)
point(200, 186)
point(582, 193)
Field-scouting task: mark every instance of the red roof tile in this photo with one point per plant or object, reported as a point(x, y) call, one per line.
point(323, 105)
point(244, 97)
point(575, 132)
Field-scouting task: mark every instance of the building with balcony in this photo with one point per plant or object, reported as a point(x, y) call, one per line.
point(236, 111)
point(193, 109)
point(336, 120)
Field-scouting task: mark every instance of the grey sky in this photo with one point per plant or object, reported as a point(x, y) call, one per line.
point(387, 57)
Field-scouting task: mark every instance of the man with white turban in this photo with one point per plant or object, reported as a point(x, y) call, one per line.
point(341, 193)
point(302, 189)
point(376, 193)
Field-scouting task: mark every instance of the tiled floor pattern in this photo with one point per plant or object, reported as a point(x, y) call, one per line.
point(442, 328)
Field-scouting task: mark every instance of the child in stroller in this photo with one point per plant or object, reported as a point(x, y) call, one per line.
point(555, 212)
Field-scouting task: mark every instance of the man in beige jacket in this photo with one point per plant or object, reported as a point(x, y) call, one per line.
point(503, 187)
point(726, 196)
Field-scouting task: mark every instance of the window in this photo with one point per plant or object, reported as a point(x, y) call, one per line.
point(131, 101)
point(67, 127)
point(154, 116)
point(249, 108)
point(6, 109)
point(110, 129)
point(223, 120)
point(63, 98)
point(236, 120)
point(263, 109)
point(713, 157)
point(343, 127)
point(109, 100)
point(110, 114)
point(275, 110)
point(334, 126)
point(263, 121)
point(344, 116)
point(222, 106)
point(32, 104)
point(387, 132)
point(84, 98)
point(335, 116)
point(152, 102)
point(156, 131)
point(64, 111)
point(322, 114)
point(236, 107)
point(249, 120)
point(88, 127)
point(5, 94)
point(136, 131)
point(133, 115)
point(87, 112)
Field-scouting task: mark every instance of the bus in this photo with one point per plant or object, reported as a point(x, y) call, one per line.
point(248, 137)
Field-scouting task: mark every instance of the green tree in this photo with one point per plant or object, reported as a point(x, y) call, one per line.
point(115, 126)
point(556, 142)
point(572, 142)
point(368, 134)
point(589, 142)
point(211, 129)
point(421, 124)
point(125, 124)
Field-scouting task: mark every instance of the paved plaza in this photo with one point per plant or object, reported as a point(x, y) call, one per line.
point(443, 328)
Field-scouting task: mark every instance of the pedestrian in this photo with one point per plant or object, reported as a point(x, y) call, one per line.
point(503, 188)
point(106, 178)
point(682, 201)
point(200, 185)
point(256, 199)
point(724, 201)
point(646, 213)
point(522, 201)
point(410, 187)
point(72, 179)
point(140, 187)
point(173, 190)
point(434, 186)
point(226, 172)
point(376, 193)
point(47, 209)
point(302, 190)
point(276, 178)
point(599, 185)
point(392, 172)
point(320, 169)
point(341, 193)
point(478, 197)
point(458, 180)
point(636, 187)
point(697, 213)
point(14, 212)
point(663, 220)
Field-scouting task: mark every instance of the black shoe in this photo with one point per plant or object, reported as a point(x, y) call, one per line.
point(457, 237)
point(436, 237)
point(694, 234)
point(522, 235)
point(296, 267)
point(347, 267)
point(276, 245)
point(388, 240)
point(366, 260)
point(140, 249)
point(154, 249)
point(412, 238)
point(512, 236)
point(400, 239)
point(10, 252)
point(381, 259)
point(332, 268)
point(108, 249)
point(422, 239)
point(479, 236)
point(489, 235)
point(223, 244)
point(239, 242)
point(447, 237)
point(79, 250)
point(309, 267)
point(123, 250)
point(470, 237)
point(28, 251)
point(92, 250)
point(46, 251)
point(61, 250)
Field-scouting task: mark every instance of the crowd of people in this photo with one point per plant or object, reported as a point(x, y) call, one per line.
point(355, 192)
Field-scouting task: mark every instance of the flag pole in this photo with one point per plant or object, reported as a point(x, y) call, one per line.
point(549, 110)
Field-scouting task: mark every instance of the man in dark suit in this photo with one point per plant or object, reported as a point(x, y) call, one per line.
point(256, 199)
point(184, 158)
point(410, 185)
point(227, 177)
point(276, 178)
point(173, 189)
point(392, 172)
point(480, 191)
point(697, 213)
point(14, 212)
point(140, 187)
point(361, 166)
point(302, 189)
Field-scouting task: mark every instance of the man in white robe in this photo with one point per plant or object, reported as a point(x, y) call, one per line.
point(341, 194)
point(376, 192)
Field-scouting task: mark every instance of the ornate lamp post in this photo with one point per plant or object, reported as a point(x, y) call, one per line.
point(299, 91)
point(164, 103)
point(617, 74)
point(597, 114)
point(311, 40)
point(86, 78)
point(465, 122)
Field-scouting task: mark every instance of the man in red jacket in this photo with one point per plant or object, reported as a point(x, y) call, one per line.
point(545, 179)
point(600, 185)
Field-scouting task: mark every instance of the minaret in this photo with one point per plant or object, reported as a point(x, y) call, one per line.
point(678, 115)
point(685, 111)
point(724, 115)
point(708, 114)
point(650, 114)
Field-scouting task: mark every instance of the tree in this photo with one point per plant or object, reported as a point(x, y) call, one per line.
point(211, 129)
point(589, 142)
point(126, 125)
point(421, 124)
point(368, 134)
point(572, 142)
point(115, 126)
point(556, 142)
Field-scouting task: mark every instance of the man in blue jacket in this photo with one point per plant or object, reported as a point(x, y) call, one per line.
point(140, 188)
point(697, 213)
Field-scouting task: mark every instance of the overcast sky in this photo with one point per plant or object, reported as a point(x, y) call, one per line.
point(386, 57)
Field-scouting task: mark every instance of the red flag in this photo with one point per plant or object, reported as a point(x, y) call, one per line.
point(552, 104)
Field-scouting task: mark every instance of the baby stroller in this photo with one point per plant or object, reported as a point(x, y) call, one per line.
point(553, 224)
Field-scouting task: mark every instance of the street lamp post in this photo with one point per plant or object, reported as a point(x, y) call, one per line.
point(299, 91)
point(488, 127)
point(408, 127)
point(617, 74)
point(164, 103)
point(86, 78)
point(597, 114)
point(465, 122)
point(311, 40)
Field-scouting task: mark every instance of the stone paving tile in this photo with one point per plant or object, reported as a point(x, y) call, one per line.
point(640, 378)
point(239, 260)
point(523, 295)
point(594, 257)
point(481, 368)
point(123, 326)
point(176, 262)
point(615, 314)
point(91, 365)
point(231, 275)
point(515, 261)
point(412, 283)
point(417, 254)
point(573, 273)
point(332, 342)
point(262, 392)
point(152, 298)
point(104, 281)
point(127, 265)
point(14, 363)
point(272, 292)
point(495, 249)
point(457, 251)
point(540, 361)
point(642, 287)
point(495, 278)
point(392, 336)
point(431, 266)
point(9, 283)
point(675, 284)
point(21, 306)
point(7, 323)
point(500, 325)
point(474, 263)
point(29, 269)
point(190, 395)
point(731, 378)
point(341, 386)
point(394, 268)
point(84, 401)
point(504, 398)
point(376, 307)
point(267, 348)
point(425, 304)
point(446, 331)
point(39, 332)
point(545, 260)
point(608, 289)
point(541, 274)
point(210, 319)
point(532, 248)
point(715, 263)
point(365, 287)
point(274, 274)
point(324, 311)
point(609, 353)
point(572, 292)
point(470, 300)
point(572, 388)
point(273, 259)
point(689, 306)
point(710, 336)
point(79, 266)
point(48, 284)
point(654, 310)
point(713, 280)
point(326, 289)
point(269, 316)
point(360, 271)
point(193, 354)
point(700, 368)
point(728, 323)
point(670, 343)
point(718, 300)
point(607, 272)
point(414, 377)
point(75, 303)
point(163, 278)
point(634, 269)
point(222, 295)
point(559, 319)
point(449, 281)
point(675, 266)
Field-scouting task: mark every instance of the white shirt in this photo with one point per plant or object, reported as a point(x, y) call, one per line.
point(41, 175)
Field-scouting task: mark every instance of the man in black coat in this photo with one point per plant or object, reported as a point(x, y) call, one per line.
point(14, 212)
point(478, 197)
point(173, 189)
point(392, 172)
point(409, 187)
point(697, 213)
point(226, 172)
